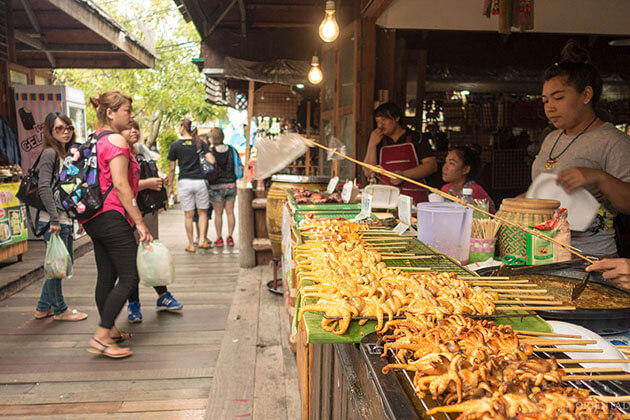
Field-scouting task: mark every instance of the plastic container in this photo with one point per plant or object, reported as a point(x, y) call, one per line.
point(383, 196)
point(446, 227)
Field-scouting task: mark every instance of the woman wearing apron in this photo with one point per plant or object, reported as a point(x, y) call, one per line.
point(401, 151)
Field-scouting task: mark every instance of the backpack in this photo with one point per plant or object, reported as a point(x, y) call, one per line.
point(28, 193)
point(78, 192)
point(238, 164)
point(209, 171)
point(150, 201)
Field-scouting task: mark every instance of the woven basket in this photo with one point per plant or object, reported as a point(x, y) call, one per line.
point(526, 212)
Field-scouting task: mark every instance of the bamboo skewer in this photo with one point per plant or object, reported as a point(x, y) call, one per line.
point(415, 257)
point(593, 370)
point(596, 378)
point(613, 399)
point(512, 296)
point(483, 277)
point(526, 302)
point(385, 254)
point(500, 283)
point(622, 346)
point(439, 192)
point(541, 291)
point(546, 334)
point(565, 350)
point(558, 342)
point(537, 308)
point(578, 361)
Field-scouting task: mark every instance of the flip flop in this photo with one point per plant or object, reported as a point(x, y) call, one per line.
point(70, 315)
point(190, 251)
point(103, 351)
point(49, 312)
point(206, 245)
point(124, 336)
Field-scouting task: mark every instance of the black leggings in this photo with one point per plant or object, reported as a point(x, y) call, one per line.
point(115, 251)
point(135, 295)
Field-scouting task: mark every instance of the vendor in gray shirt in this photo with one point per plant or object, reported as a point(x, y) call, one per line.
point(584, 151)
point(58, 135)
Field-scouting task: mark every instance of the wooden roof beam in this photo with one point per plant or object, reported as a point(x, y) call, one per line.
point(374, 8)
point(241, 6)
point(71, 48)
point(106, 29)
point(221, 11)
point(35, 24)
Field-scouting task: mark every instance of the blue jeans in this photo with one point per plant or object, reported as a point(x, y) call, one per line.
point(51, 291)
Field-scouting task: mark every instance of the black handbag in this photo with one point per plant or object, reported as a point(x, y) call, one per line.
point(28, 192)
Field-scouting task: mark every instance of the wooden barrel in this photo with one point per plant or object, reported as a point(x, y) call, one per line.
point(526, 212)
point(275, 199)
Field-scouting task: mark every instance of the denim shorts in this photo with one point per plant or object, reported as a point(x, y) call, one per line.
point(220, 195)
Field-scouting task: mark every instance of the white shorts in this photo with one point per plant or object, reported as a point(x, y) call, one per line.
point(193, 193)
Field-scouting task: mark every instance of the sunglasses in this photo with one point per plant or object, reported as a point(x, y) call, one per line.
point(62, 129)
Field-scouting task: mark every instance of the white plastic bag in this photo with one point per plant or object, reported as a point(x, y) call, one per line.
point(57, 262)
point(155, 264)
point(275, 154)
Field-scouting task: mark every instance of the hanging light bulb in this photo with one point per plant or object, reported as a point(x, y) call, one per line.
point(315, 76)
point(329, 29)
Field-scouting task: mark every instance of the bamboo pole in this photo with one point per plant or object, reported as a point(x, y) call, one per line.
point(450, 197)
point(546, 334)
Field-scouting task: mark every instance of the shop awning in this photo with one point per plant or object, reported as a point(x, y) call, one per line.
point(73, 34)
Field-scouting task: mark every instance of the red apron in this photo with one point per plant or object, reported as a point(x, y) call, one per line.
point(400, 157)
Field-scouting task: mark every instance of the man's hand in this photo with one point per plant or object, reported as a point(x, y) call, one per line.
point(396, 181)
point(616, 270)
point(571, 179)
point(375, 137)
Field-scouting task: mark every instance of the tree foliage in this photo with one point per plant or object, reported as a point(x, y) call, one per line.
point(173, 90)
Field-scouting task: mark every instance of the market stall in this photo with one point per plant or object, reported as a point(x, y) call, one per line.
point(13, 231)
point(341, 371)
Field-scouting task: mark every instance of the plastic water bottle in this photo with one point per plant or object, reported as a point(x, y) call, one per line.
point(467, 197)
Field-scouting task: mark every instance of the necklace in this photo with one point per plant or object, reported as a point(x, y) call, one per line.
point(553, 161)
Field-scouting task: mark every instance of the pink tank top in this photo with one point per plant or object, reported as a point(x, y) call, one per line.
point(105, 153)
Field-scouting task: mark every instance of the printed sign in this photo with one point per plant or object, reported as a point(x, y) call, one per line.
point(346, 192)
point(366, 207)
point(332, 184)
point(405, 204)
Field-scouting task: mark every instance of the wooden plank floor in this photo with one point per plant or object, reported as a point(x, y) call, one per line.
point(45, 371)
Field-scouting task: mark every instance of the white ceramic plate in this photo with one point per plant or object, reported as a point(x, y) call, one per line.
point(610, 351)
point(580, 204)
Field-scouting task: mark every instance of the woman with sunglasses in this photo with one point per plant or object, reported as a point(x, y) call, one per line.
point(58, 135)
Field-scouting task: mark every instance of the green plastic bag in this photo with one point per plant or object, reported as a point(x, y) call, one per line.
point(155, 264)
point(57, 262)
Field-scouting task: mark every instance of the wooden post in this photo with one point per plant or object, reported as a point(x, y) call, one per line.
point(246, 228)
point(250, 115)
point(245, 196)
point(422, 76)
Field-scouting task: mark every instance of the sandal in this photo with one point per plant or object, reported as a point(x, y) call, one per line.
point(192, 251)
point(70, 315)
point(206, 245)
point(103, 350)
point(124, 336)
point(42, 315)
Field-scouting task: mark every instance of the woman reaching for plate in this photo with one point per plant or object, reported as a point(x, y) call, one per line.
point(584, 151)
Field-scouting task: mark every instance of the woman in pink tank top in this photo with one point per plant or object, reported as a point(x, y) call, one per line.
point(111, 229)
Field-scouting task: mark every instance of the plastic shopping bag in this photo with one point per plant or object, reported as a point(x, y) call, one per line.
point(57, 262)
point(275, 154)
point(155, 264)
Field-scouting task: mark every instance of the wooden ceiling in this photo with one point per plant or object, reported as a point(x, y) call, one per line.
point(73, 34)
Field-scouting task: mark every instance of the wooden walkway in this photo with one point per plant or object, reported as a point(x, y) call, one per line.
point(45, 371)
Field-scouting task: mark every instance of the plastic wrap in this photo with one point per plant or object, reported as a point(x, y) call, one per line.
point(57, 262)
point(336, 145)
point(275, 154)
point(155, 264)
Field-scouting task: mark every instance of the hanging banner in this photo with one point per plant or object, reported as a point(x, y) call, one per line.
point(31, 110)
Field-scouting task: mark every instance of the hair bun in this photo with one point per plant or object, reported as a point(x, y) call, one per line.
point(575, 53)
point(94, 102)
